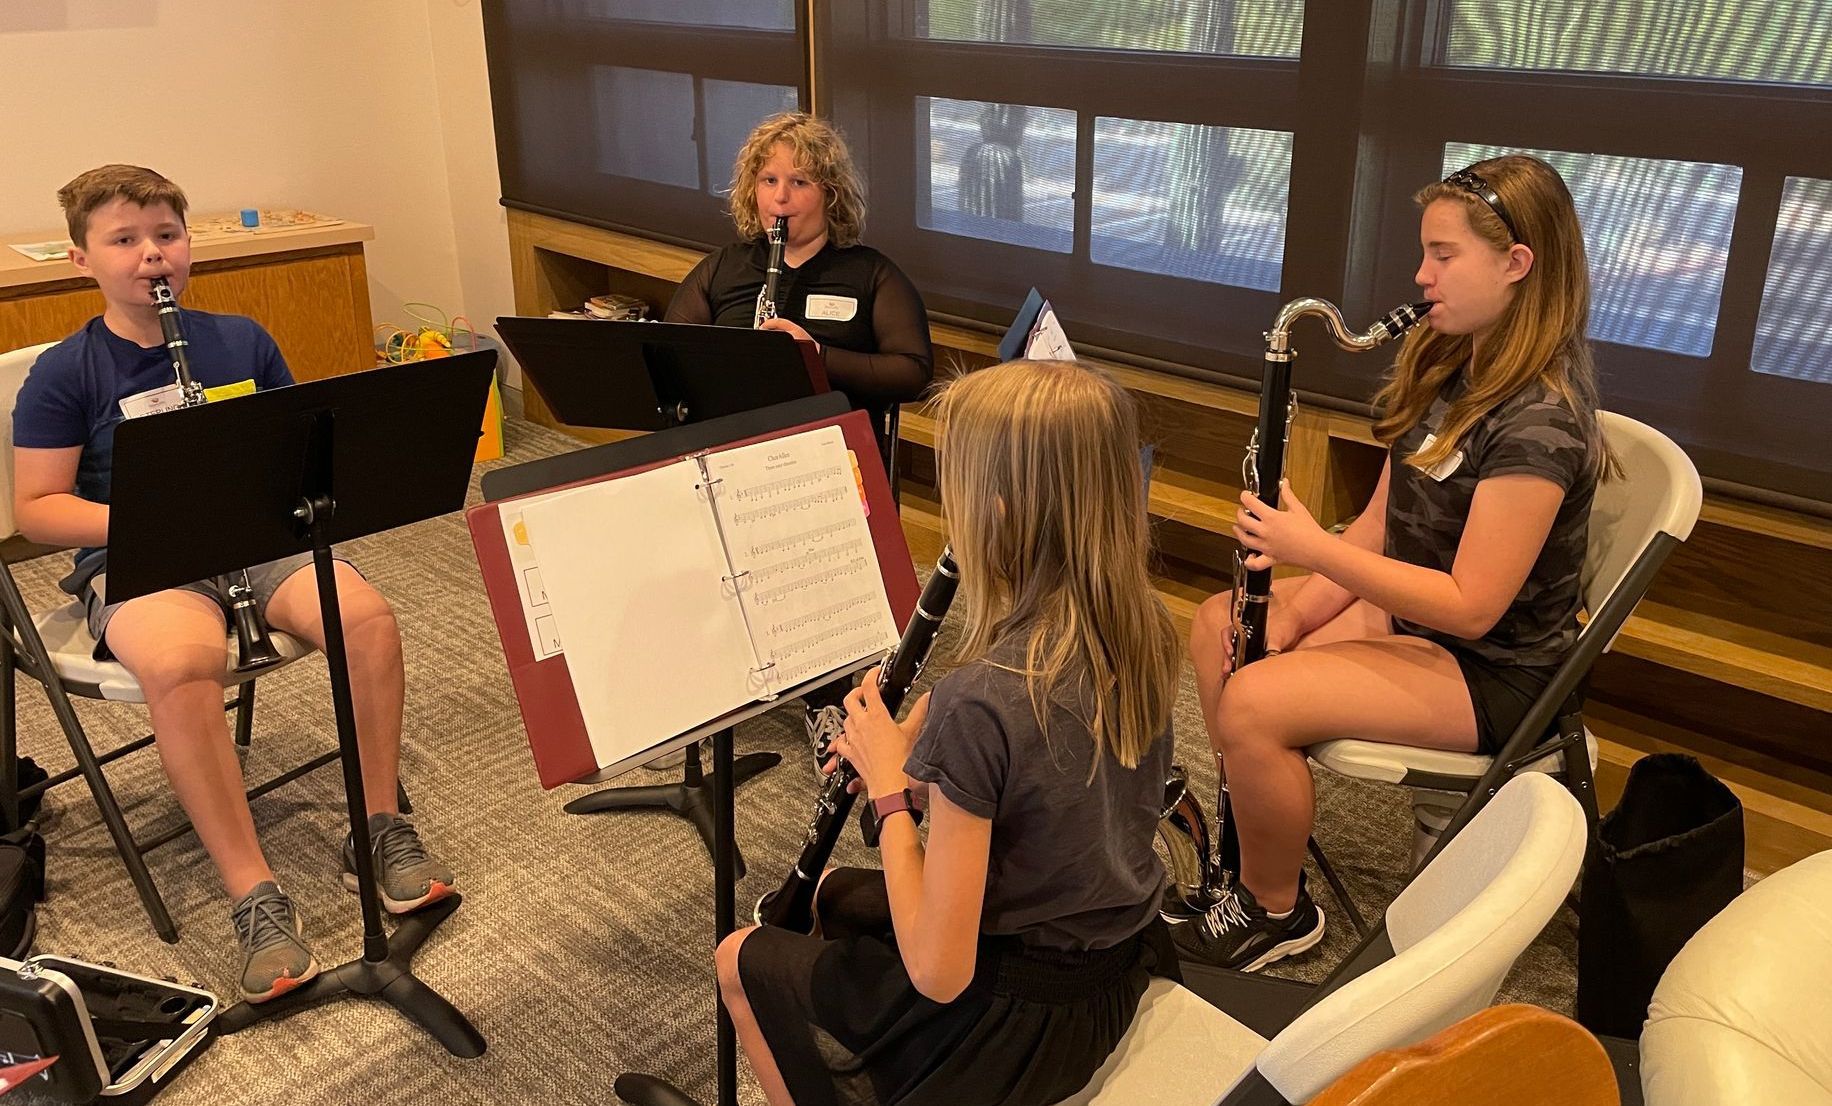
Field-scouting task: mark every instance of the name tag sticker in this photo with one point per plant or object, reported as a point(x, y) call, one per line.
point(168, 398)
point(1444, 468)
point(836, 309)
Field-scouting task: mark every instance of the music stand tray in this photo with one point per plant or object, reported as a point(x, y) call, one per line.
point(296, 470)
point(622, 375)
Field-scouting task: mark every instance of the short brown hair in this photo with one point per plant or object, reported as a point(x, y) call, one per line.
point(821, 153)
point(132, 183)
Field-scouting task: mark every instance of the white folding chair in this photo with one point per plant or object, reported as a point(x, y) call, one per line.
point(1451, 937)
point(1635, 523)
point(56, 649)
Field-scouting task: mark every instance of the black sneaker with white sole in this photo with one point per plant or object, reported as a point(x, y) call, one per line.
point(1238, 933)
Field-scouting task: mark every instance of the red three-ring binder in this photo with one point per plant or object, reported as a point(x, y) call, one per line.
point(544, 688)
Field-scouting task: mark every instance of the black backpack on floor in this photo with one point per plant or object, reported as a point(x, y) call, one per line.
point(22, 888)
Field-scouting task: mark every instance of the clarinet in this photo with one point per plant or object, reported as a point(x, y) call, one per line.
point(1261, 471)
point(791, 906)
point(778, 236)
point(254, 648)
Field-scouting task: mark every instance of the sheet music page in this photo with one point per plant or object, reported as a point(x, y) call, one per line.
point(1048, 341)
point(793, 513)
point(634, 576)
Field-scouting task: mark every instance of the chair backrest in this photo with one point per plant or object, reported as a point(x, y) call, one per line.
point(1456, 930)
point(1744, 1012)
point(1658, 493)
point(14, 365)
point(1513, 1055)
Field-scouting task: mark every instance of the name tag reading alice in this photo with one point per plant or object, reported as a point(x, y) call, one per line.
point(837, 309)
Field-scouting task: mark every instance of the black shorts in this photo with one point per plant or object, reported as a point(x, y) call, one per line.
point(1501, 695)
point(845, 1024)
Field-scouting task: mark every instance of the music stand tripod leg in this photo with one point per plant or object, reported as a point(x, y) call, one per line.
point(383, 972)
point(690, 798)
point(641, 1089)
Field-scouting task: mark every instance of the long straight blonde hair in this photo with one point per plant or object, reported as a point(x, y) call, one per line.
point(1540, 335)
point(1044, 502)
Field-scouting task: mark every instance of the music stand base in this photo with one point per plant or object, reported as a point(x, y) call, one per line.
point(391, 980)
point(691, 798)
point(639, 1089)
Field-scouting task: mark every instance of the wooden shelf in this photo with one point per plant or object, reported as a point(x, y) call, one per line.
point(1178, 496)
point(1743, 656)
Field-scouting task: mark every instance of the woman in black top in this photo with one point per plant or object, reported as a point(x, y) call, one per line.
point(1001, 962)
point(847, 298)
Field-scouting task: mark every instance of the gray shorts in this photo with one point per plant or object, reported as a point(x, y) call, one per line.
point(265, 579)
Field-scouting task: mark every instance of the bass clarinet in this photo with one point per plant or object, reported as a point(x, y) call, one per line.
point(791, 906)
point(254, 648)
point(1196, 867)
point(778, 236)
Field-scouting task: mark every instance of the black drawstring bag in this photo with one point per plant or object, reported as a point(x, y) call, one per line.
point(1666, 860)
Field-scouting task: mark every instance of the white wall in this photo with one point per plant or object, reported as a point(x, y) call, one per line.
point(371, 110)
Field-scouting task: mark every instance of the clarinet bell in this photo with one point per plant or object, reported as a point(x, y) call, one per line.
point(254, 647)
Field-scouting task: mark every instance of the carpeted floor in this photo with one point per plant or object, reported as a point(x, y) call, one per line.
point(583, 946)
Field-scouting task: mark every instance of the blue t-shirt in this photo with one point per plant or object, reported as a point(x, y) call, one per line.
point(73, 394)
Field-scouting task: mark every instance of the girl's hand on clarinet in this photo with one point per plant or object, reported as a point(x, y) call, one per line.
point(1283, 535)
point(876, 744)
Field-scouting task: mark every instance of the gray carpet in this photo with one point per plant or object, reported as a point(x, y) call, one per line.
point(582, 948)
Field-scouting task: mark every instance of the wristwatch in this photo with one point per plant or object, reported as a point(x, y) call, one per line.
point(891, 804)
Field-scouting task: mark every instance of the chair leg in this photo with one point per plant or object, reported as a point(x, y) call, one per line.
point(1337, 889)
point(9, 737)
point(129, 850)
point(1578, 775)
point(244, 714)
point(401, 802)
point(111, 815)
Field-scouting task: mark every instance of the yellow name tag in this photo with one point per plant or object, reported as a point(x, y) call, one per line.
point(229, 391)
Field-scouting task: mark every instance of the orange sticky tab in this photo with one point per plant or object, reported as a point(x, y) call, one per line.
point(858, 479)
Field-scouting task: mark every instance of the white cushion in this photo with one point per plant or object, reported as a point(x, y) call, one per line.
point(1179, 1050)
point(72, 648)
point(1744, 1012)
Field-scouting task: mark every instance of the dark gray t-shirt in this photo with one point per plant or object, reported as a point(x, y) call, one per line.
point(1534, 431)
point(1071, 864)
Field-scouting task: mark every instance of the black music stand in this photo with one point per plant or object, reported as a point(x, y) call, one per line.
point(715, 817)
point(620, 375)
point(296, 470)
point(651, 376)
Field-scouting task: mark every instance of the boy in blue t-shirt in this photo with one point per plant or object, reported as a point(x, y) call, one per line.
point(127, 225)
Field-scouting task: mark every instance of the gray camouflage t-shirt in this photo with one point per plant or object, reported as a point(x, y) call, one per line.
point(1535, 431)
point(1071, 862)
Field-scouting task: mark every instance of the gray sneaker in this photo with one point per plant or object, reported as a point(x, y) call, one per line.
point(407, 877)
point(275, 958)
point(823, 725)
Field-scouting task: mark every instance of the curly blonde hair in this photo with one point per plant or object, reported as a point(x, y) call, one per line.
point(819, 152)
